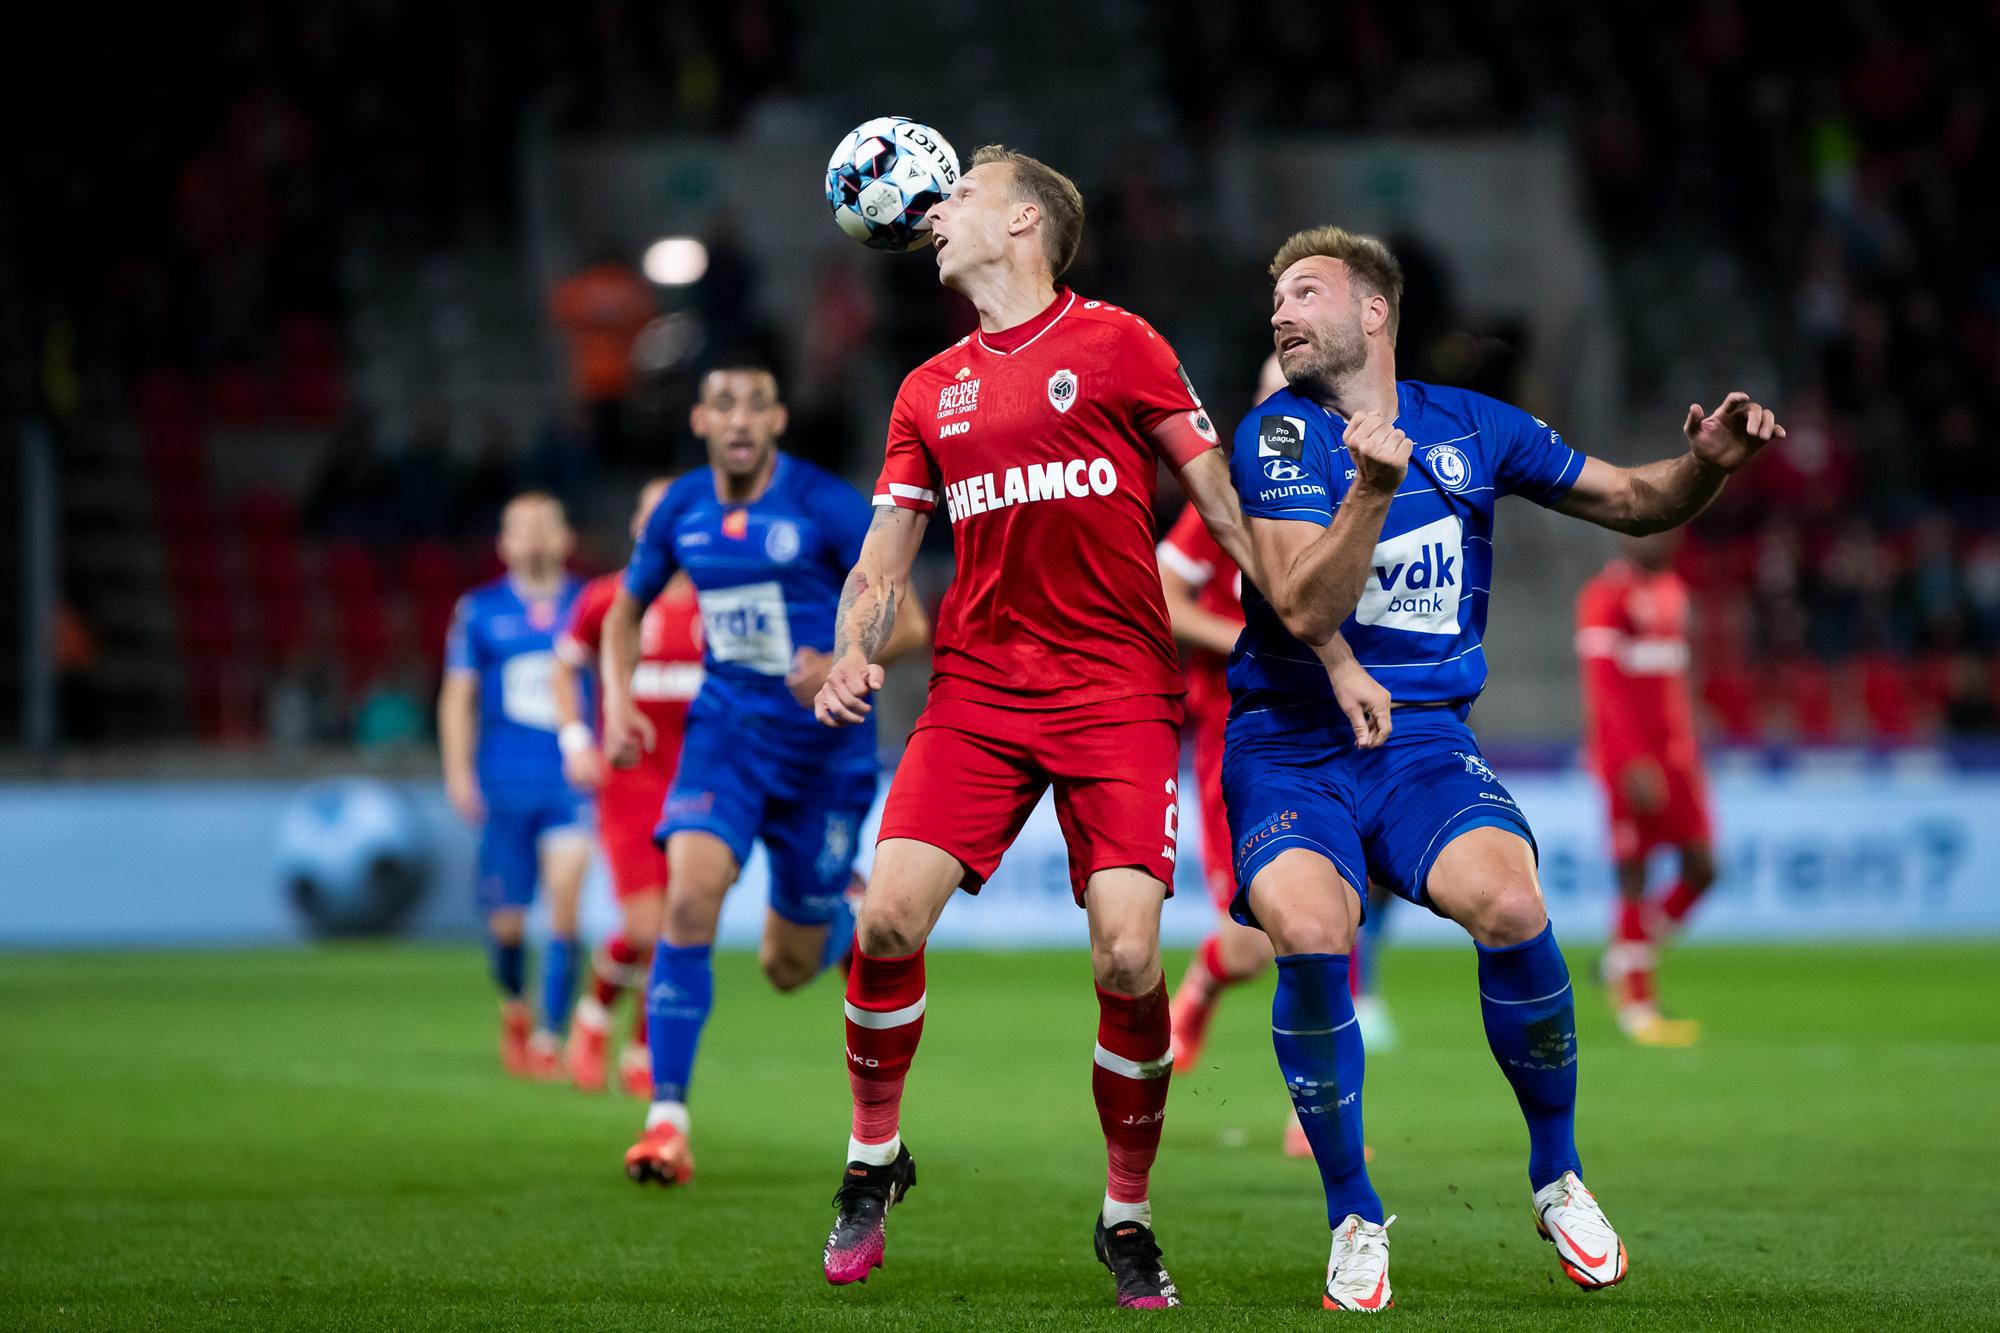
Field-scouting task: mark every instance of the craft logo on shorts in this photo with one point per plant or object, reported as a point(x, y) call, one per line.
point(1478, 767)
point(1062, 390)
point(1448, 465)
point(781, 542)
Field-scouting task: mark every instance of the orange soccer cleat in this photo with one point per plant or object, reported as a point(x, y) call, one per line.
point(635, 1072)
point(545, 1062)
point(585, 1054)
point(514, 1026)
point(661, 1156)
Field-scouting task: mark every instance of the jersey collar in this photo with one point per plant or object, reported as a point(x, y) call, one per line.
point(1009, 341)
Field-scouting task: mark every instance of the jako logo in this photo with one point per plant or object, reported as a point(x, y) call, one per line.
point(1414, 580)
point(951, 428)
point(1061, 480)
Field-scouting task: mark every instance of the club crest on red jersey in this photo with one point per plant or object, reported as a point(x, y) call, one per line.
point(1062, 390)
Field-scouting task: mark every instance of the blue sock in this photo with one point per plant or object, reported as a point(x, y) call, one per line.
point(1373, 937)
point(1524, 995)
point(510, 966)
point(679, 994)
point(839, 936)
point(1319, 1053)
point(558, 982)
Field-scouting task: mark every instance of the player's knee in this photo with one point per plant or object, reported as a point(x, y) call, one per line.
point(787, 972)
point(1698, 871)
point(506, 928)
point(688, 919)
point(1512, 914)
point(1125, 964)
point(888, 937)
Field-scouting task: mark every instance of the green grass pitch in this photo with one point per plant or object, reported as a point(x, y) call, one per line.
point(323, 1140)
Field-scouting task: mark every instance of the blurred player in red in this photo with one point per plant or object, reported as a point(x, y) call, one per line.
point(1632, 642)
point(1041, 433)
point(1204, 591)
point(628, 799)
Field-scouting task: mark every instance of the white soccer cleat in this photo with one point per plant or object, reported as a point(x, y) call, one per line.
point(1357, 1272)
point(1568, 1217)
point(1378, 1030)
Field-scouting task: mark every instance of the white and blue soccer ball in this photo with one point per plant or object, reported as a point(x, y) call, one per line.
point(354, 857)
point(884, 177)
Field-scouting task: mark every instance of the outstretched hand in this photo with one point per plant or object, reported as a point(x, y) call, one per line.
point(1732, 435)
point(843, 700)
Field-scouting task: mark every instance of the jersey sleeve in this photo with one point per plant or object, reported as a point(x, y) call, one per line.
point(461, 646)
point(1190, 549)
point(577, 645)
point(909, 477)
point(653, 561)
point(1602, 632)
point(1282, 468)
point(1531, 459)
point(1162, 400)
point(845, 516)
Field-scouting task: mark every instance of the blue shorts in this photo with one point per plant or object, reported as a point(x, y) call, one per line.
point(510, 845)
point(741, 783)
point(1383, 814)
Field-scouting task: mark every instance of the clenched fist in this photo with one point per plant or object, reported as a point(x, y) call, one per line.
point(1380, 451)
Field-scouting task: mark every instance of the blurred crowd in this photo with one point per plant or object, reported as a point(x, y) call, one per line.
point(1815, 181)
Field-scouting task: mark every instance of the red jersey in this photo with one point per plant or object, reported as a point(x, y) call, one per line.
point(1191, 551)
point(1044, 441)
point(668, 675)
point(1632, 641)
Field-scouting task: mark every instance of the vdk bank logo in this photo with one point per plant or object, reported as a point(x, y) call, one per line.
point(1415, 580)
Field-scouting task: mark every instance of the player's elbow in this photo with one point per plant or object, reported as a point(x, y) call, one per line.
point(1311, 620)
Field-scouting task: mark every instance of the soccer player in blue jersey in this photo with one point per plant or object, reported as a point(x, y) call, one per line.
point(767, 540)
point(503, 769)
point(1370, 505)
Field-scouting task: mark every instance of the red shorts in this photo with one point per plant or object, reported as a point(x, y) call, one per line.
point(1219, 867)
point(1681, 820)
point(628, 810)
point(973, 771)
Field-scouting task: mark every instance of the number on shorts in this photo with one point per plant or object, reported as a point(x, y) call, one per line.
point(1173, 821)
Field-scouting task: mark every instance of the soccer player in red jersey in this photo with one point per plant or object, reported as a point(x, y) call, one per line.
point(1632, 646)
point(628, 799)
point(1054, 664)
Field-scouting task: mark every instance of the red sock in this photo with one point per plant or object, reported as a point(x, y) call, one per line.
point(1632, 954)
point(1354, 967)
point(1678, 902)
point(639, 1024)
point(885, 1020)
point(620, 964)
point(1129, 1082)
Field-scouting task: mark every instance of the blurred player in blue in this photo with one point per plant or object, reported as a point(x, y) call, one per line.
point(767, 540)
point(503, 769)
point(1370, 505)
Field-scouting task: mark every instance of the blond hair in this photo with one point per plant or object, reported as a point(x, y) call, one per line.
point(1055, 194)
point(1369, 263)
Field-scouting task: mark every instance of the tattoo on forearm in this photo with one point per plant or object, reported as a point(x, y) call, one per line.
point(864, 618)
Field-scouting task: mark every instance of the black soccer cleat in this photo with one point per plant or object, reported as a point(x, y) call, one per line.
point(861, 1208)
point(1129, 1250)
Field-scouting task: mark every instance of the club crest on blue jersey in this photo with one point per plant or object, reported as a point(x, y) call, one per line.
point(781, 542)
point(1448, 465)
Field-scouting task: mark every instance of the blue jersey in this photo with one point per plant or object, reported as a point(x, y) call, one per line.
point(509, 641)
point(1418, 625)
point(768, 577)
